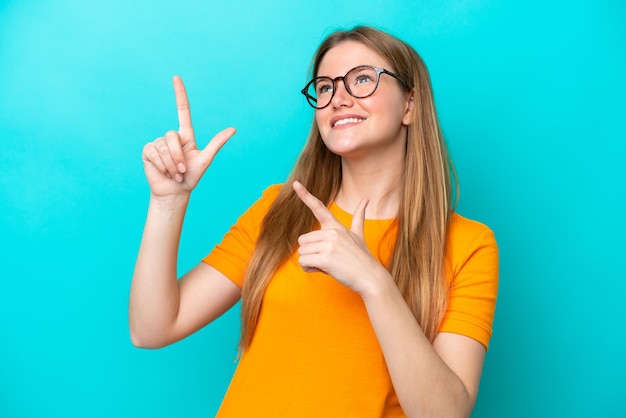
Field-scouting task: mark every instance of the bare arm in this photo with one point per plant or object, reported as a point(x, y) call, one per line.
point(163, 310)
point(441, 379)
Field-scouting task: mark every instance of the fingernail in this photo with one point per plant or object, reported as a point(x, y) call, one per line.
point(181, 167)
point(178, 178)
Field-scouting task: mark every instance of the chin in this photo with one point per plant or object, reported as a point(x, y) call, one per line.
point(349, 152)
point(342, 150)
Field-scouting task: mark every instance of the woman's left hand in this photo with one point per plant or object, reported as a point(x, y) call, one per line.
point(334, 249)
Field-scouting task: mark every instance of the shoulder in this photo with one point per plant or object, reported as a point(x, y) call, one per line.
point(269, 195)
point(232, 255)
point(250, 221)
point(272, 191)
point(465, 227)
point(465, 238)
point(463, 231)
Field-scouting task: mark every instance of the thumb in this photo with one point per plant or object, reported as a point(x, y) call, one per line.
point(358, 219)
point(215, 144)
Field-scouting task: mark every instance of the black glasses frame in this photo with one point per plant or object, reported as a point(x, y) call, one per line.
point(313, 101)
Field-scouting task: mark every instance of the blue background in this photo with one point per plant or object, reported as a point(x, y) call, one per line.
point(531, 99)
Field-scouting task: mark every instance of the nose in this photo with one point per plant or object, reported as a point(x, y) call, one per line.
point(341, 96)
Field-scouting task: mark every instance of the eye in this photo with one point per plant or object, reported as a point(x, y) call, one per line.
point(363, 78)
point(323, 86)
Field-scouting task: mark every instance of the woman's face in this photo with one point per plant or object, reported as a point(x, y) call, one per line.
point(371, 126)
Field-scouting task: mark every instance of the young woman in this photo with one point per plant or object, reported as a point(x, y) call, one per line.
point(363, 293)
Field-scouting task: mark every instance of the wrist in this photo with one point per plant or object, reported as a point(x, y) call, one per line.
point(380, 283)
point(170, 203)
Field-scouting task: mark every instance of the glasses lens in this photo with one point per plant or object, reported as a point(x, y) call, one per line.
point(319, 91)
point(362, 81)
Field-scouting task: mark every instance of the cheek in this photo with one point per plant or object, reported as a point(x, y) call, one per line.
point(322, 121)
point(317, 118)
point(396, 112)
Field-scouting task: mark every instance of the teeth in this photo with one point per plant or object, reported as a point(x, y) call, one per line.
point(348, 120)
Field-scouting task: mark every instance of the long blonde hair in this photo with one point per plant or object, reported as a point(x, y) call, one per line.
point(417, 263)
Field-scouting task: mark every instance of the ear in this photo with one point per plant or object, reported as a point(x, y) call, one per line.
point(409, 109)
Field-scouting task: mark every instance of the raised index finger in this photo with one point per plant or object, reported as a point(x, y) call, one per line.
point(320, 211)
point(185, 129)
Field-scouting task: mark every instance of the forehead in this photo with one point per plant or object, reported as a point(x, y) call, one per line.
point(347, 55)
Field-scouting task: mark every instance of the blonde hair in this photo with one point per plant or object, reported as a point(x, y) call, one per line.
point(417, 263)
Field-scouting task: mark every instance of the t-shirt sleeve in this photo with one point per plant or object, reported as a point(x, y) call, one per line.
point(473, 258)
point(232, 255)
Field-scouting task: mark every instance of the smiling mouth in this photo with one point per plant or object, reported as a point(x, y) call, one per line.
point(346, 121)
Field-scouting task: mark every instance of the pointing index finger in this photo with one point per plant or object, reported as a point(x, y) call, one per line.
point(320, 211)
point(185, 128)
point(358, 219)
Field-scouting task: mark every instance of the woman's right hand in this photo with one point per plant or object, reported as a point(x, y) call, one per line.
point(173, 163)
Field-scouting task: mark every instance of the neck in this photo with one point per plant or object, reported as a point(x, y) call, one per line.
point(380, 183)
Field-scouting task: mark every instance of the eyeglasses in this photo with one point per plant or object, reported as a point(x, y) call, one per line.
point(360, 82)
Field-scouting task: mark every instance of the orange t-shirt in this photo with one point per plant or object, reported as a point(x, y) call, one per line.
point(314, 352)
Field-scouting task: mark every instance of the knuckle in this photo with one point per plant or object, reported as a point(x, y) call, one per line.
point(150, 145)
point(146, 150)
point(153, 154)
point(161, 147)
point(150, 154)
point(177, 154)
